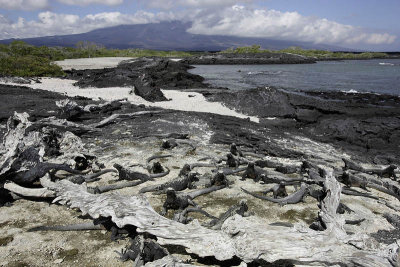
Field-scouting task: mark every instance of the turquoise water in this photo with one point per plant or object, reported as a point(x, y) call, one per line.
point(378, 76)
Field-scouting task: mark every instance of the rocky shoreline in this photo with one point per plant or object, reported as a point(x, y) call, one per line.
point(330, 160)
point(263, 58)
point(248, 59)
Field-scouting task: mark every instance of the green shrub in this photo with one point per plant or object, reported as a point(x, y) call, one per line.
point(28, 66)
point(21, 59)
point(319, 54)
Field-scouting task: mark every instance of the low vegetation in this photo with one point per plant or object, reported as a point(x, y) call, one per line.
point(28, 66)
point(22, 59)
point(319, 54)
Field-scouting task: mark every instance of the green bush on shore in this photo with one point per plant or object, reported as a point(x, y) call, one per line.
point(319, 54)
point(82, 50)
point(21, 59)
point(28, 66)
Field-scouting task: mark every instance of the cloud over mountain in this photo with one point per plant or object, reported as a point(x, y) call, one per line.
point(170, 4)
point(249, 22)
point(208, 17)
point(90, 2)
point(49, 23)
point(23, 4)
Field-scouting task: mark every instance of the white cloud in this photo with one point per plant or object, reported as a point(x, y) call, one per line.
point(169, 4)
point(234, 21)
point(23, 4)
point(50, 23)
point(89, 2)
point(249, 22)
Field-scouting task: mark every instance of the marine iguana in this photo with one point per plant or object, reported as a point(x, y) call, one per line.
point(352, 180)
point(172, 143)
point(257, 174)
point(354, 222)
point(179, 201)
point(126, 174)
point(228, 171)
point(235, 151)
point(307, 165)
point(280, 167)
point(219, 179)
point(254, 173)
point(393, 219)
point(278, 191)
point(168, 136)
point(316, 191)
point(233, 161)
point(155, 168)
point(79, 179)
point(294, 198)
point(352, 192)
point(69, 227)
point(157, 157)
point(315, 176)
point(287, 169)
point(142, 250)
point(342, 208)
point(388, 171)
point(97, 224)
point(183, 217)
point(38, 171)
point(28, 168)
point(178, 184)
point(189, 167)
point(241, 208)
point(106, 188)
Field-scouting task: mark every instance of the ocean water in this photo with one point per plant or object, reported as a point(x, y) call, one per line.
point(377, 76)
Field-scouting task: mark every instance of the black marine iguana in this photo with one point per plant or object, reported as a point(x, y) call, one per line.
point(254, 173)
point(155, 168)
point(142, 250)
point(180, 201)
point(388, 171)
point(168, 136)
point(257, 174)
point(353, 180)
point(241, 208)
point(39, 170)
point(97, 224)
point(172, 143)
point(233, 161)
point(79, 179)
point(183, 217)
point(129, 175)
point(178, 184)
point(294, 198)
point(278, 191)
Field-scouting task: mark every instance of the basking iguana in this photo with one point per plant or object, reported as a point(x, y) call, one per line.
point(181, 200)
point(294, 198)
point(129, 175)
point(79, 179)
point(178, 184)
point(241, 209)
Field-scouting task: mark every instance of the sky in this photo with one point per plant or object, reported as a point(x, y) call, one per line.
point(356, 24)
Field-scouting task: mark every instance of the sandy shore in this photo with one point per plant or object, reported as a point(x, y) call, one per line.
point(94, 63)
point(179, 100)
point(90, 63)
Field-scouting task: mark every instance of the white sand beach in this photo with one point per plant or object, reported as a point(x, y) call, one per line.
point(90, 63)
point(179, 100)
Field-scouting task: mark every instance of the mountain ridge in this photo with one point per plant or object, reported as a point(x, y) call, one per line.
point(164, 36)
